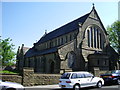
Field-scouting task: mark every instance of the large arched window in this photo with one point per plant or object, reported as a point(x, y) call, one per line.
point(94, 37)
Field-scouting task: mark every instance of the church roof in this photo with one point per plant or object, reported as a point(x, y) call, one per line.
point(58, 32)
point(64, 29)
point(33, 52)
point(72, 26)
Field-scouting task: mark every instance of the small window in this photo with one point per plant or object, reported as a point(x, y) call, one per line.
point(66, 39)
point(105, 62)
point(58, 41)
point(70, 37)
point(55, 42)
point(98, 62)
point(62, 40)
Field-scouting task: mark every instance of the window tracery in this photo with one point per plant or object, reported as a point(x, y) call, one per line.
point(94, 37)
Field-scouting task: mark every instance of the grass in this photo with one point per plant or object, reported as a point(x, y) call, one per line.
point(7, 72)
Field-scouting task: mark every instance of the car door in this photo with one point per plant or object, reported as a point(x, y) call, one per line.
point(90, 79)
point(79, 78)
point(83, 79)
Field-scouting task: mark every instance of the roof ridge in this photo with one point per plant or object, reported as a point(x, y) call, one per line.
point(68, 23)
point(69, 27)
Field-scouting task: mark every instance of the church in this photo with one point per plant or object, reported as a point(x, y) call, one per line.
point(80, 45)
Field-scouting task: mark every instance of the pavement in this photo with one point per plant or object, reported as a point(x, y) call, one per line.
point(56, 87)
point(45, 86)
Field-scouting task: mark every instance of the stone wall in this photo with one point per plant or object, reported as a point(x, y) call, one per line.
point(97, 72)
point(28, 77)
point(12, 78)
point(31, 79)
point(46, 79)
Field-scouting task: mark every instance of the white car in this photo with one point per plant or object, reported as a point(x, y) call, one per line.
point(4, 85)
point(77, 80)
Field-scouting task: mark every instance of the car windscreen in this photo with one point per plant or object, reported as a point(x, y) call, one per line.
point(65, 76)
point(113, 71)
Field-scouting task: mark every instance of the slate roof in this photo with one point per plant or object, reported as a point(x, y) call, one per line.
point(64, 29)
point(32, 52)
point(72, 26)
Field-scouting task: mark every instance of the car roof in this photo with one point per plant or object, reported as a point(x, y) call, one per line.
point(78, 72)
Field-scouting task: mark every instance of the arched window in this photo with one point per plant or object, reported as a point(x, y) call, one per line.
point(91, 31)
point(98, 40)
point(94, 37)
point(101, 43)
point(88, 37)
point(95, 34)
point(71, 58)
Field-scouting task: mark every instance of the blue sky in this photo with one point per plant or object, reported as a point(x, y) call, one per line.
point(26, 22)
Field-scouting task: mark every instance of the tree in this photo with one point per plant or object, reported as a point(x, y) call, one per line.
point(6, 52)
point(114, 35)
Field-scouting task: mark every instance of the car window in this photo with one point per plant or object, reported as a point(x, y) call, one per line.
point(65, 76)
point(108, 72)
point(74, 75)
point(113, 71)
point(87, 75)
point(77, 75)
point(118, 71)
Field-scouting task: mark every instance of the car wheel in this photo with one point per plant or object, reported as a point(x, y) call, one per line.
point(99, 84)
point(10, 89)
point(118, 81)
point(77, 87)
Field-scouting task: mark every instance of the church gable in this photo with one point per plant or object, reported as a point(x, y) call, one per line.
point(94, 16)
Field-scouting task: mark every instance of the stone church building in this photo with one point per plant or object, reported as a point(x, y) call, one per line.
point(79, 45)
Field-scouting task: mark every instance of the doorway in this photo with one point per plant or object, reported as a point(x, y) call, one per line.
point(52, 67)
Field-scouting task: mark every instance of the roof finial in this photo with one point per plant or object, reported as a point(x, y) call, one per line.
point(93, 5)
point(45, 32)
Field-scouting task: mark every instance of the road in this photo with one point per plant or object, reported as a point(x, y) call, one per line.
point(56, 87)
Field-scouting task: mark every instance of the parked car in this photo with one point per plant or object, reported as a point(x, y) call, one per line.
point(4, 85)
point(111, 77)
point(77, 80)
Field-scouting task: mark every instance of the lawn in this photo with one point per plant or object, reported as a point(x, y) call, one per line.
point(7, 72)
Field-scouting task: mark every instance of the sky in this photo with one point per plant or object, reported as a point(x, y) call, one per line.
point(26, 22)
point(119, 11)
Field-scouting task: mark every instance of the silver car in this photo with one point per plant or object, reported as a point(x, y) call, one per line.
point(77, 80)
point(4, 85)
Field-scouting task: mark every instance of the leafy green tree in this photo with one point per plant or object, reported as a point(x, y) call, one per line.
point(6, 52)
point(114, 35)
